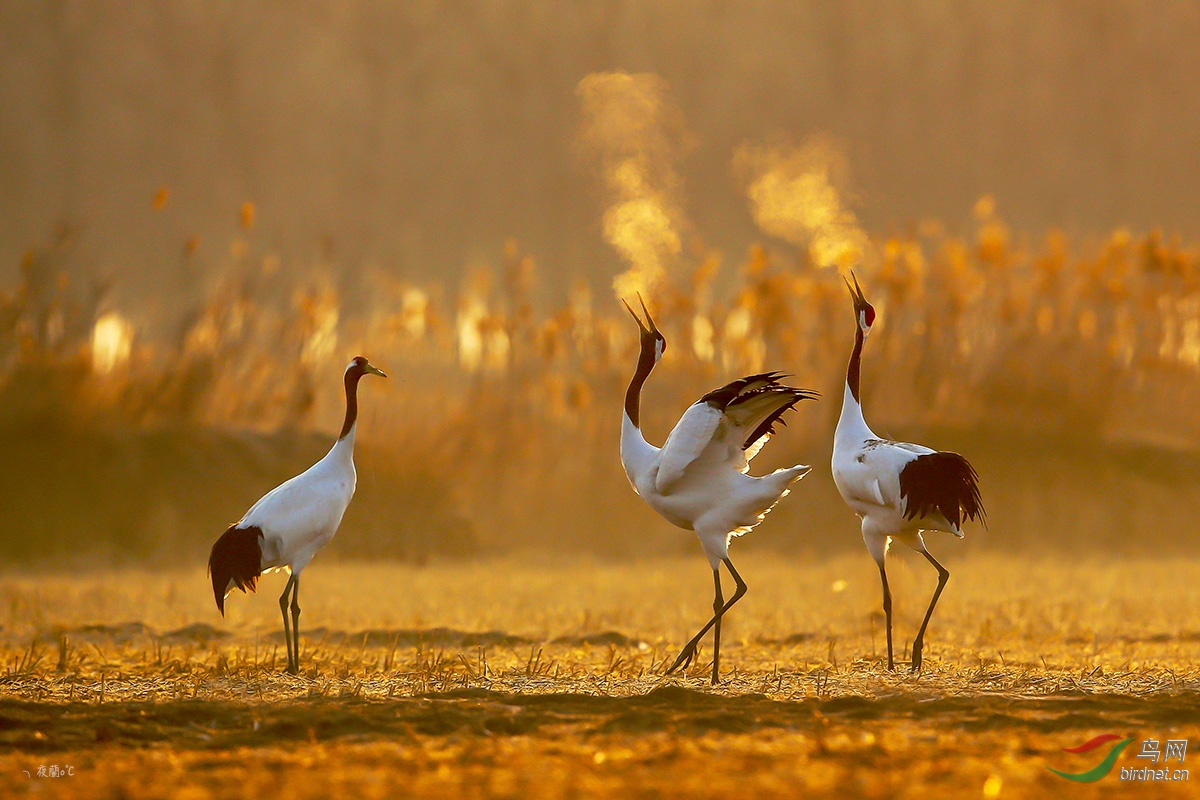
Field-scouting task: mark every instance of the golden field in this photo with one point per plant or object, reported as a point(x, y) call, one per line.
point(531, 677)
point(198, 238)
point(496, 615)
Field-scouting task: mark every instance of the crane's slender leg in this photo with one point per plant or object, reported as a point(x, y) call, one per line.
point(718, 608)
point(887, 612)
point(296, 621)
point(287, 631)
point(919, 642)
point(689, 649)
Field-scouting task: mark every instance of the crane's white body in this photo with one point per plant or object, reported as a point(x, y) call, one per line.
point(699, 479)
point(301, 515)
point(866, 470)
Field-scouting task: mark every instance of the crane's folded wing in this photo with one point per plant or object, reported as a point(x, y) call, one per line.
point(306, 507)
point(873, 474)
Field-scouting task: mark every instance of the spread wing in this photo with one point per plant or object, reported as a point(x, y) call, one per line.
point(692, 434)
point(751, 418)
point(730, 424)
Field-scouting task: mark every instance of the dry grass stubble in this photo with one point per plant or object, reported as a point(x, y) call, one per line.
point(517, 678)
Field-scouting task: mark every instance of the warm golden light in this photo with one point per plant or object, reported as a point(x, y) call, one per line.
point(210, 209)
point(112, 342)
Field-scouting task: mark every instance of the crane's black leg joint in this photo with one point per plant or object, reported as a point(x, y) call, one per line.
point(741, 584)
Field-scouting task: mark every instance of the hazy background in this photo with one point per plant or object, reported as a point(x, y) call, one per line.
point(209, 207)
point(420, 135)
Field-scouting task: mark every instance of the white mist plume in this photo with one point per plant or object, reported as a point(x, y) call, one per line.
point(793, 195)
point(633, 130)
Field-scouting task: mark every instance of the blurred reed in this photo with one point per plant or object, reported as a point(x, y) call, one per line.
point(503, 414)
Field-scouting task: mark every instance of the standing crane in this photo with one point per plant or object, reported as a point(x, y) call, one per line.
point(286, 528)
point(898, 490)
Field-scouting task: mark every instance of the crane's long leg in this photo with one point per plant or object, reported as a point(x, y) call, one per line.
point(887, 612)
point(296, 621)
point(718, 608)
point(287, 631)
point(919, 642)
point(689, 650)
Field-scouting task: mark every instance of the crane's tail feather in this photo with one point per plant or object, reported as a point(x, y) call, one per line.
point(944, 482)
point(236, 560)
point(799, 471)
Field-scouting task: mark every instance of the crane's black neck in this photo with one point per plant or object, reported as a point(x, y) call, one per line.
point(352, 376)
point(855, 360)
point(633, 396)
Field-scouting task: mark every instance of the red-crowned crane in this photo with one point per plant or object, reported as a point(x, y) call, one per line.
point(698, 481)
point(286, 528)
point(898, 490)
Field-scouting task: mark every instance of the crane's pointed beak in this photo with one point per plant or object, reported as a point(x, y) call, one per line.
point(374, 370)
point(858, 289)
point(649, 319)
point(850, 289)
point(636, 319)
